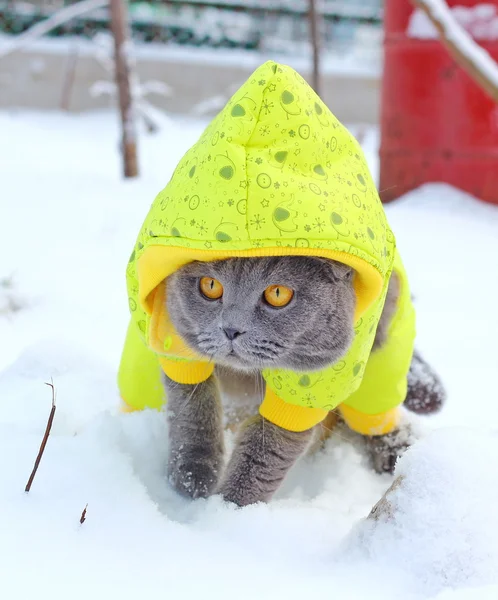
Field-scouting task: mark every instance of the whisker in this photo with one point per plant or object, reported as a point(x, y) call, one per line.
point(203, 337)
point(266, 351)
point(260, 380)
point(272, 343)
point(261, 355)
point(186, 402)
point(268, 346)
point(334, 430)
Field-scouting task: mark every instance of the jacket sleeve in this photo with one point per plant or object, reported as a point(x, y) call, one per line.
point(292, 417)
point(379, 424)
point(187, 372)
point(139, 376)
point(373, 408)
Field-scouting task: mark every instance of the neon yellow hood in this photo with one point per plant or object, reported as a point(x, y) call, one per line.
point(274, 173)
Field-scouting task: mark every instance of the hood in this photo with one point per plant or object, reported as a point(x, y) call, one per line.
point(274, 173)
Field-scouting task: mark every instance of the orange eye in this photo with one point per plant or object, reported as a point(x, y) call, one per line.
point(278, 295)
point(211, 288)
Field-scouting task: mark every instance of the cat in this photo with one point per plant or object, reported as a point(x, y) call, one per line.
point(275, 190)
point(243, 334)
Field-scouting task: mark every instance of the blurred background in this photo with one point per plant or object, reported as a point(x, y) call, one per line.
point(200, 51)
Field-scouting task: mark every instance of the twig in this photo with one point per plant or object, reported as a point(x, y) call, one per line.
point(45, 439)
point(68, 83)
point(83, 515)
point(123, 75)
point(467, 53)
point(314, 21)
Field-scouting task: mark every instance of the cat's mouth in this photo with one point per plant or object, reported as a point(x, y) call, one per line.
point(241, 354)
point(244, 359)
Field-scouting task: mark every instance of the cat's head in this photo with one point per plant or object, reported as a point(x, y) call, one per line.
point(288, 312)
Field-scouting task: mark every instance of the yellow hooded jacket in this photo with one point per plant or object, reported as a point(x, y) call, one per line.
point(273, 174)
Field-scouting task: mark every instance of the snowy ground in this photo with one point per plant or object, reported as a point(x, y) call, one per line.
point(67, 225)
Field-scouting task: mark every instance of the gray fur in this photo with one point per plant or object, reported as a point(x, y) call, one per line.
point(263, 455)
point(196, 444)
point(426, 393)
point(242, 392)
point(384, 450)
point(388, 312)
point(313, 331)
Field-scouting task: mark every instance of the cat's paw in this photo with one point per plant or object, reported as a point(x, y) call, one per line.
point(194, 475)
point(193, 478)
point(384, 450)
point(426, 393)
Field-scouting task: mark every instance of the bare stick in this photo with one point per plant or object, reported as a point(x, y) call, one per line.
point(83, 515)
point(44, 441)
point(68, 83)
point(314, 19)
point(467, 53)
point(119, 26)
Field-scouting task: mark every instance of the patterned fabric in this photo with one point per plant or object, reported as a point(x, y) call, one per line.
point(274, 173)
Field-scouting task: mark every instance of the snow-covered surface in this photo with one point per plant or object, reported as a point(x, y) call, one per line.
point(441, 512)
point(68, 224)
point(457, 35)
point(480, 20)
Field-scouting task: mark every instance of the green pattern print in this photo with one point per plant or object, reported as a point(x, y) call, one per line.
point(276, 169)
point(275, 149)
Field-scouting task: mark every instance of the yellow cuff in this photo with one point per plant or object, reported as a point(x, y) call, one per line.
point(289, 416)
point(124, 407)
point(370, 424)
point(187, 372)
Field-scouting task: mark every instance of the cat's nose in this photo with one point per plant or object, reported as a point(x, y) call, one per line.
point(232, 333)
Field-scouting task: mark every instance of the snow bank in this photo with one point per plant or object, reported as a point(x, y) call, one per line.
point(488, 592)
point(68, 223)
point(139, 537)
point(441, 526)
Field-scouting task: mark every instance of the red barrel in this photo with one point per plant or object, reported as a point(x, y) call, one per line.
point(436, 123)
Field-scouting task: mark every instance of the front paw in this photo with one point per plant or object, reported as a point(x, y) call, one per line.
point(384, 450)
point(193, 476)
point(242, 493)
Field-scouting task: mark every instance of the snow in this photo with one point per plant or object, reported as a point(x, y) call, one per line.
point(455, 34)
point(441, 493)
point(68, 223)
point(488, 592)
point(480, 20)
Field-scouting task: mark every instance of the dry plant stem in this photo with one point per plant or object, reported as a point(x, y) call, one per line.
point(384, 509)
point(69, 75)
point(314, 20)
point(83, 515)
point(470, 56)
point(44, 441)
point(119, 26)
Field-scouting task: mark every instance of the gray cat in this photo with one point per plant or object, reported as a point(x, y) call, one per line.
point(244, 334)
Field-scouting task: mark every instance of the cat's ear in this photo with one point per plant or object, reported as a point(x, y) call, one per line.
point(338, 271)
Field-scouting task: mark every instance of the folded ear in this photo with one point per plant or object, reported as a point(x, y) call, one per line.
point(338, 271)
